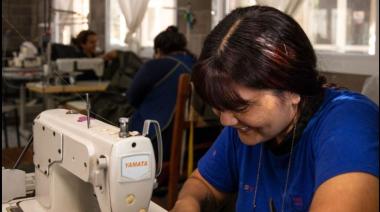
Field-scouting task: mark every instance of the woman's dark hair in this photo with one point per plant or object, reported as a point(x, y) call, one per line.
point(258, 47)
point(170, 40)
point(82, 37)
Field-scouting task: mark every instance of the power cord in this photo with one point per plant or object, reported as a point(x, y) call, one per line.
point(23, 152)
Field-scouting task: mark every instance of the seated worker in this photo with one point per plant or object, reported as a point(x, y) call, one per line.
point(153, 90)
point(289, 142)
point(85, 43)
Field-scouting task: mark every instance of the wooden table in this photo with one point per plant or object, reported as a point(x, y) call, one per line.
point(79, 87)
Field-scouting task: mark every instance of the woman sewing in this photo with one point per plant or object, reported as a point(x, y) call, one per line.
point(85, 43)
point(153, 90)
point(289, 142)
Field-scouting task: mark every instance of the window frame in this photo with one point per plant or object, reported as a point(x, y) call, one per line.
point(334, 62)
point(349, 62)
point(108, 45)
point(145, 51)
point(58, 27)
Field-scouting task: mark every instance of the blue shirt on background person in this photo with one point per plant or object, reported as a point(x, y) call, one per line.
point(153, 91)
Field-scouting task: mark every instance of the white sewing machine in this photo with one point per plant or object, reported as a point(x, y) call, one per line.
point(84, 165)
point(71, 65)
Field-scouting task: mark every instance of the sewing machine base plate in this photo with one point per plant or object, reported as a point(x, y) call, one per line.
point(31, 205)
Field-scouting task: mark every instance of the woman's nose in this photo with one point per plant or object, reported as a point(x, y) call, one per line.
point(227, 118)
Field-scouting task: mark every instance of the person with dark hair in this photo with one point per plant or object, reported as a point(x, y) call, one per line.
point(170, 41)
point(289, 143)
point(86, 42)
point(153, 90)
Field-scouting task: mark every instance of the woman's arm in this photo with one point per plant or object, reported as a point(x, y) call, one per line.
point(196, 194)
point(356, 191)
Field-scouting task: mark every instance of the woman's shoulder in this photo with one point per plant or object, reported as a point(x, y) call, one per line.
point(159, 62)
point(182, 56)
point(346, 101)
point(345, 113)
point(344, 135)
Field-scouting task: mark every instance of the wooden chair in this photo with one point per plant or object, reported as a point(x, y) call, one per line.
point(179, 125)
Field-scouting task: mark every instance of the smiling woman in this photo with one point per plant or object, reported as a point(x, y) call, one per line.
point(86, 42)
point(288, 138)
point(268, 117)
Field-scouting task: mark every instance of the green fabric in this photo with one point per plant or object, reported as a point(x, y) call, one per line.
point(112, 104)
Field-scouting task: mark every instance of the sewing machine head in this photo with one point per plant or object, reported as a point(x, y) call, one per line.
point(72, 65)
point(100, 168)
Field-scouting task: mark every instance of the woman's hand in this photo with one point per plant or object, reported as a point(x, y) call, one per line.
point(110, 55)
point(197, 193)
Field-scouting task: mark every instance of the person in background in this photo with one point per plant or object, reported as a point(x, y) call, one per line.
point(153, 90)
point(289, 142)
point(86, 43)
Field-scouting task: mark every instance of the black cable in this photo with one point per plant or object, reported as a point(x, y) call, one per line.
point(23, 152)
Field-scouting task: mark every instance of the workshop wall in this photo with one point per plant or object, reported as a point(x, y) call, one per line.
point(20, 21)
point(351, 81)
point(24, 20)
point(28, 18)
point(201, 10)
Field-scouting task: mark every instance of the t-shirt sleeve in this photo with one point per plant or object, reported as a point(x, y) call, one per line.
point(347, 141)
point(218, 165)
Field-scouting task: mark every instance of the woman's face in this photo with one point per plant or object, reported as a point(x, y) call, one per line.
point(90, 46)
point(269, 115)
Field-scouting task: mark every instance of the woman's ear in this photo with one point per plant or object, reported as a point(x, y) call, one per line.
point(295, 98)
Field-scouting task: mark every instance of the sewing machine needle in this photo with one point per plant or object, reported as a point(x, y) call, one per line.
point(88, 110)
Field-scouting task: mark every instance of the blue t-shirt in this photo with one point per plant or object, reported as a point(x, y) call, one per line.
point(342, 136)
point(153, 94)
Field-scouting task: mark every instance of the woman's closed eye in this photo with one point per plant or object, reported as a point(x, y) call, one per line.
point(245, 108)
point(237, 112)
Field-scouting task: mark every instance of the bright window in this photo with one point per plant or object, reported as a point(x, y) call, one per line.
point(68, 22)
point(159, 15)
point(344, 33)
point(342, 25)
